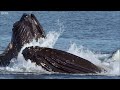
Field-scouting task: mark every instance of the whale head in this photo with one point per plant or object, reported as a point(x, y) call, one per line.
point(26, 29)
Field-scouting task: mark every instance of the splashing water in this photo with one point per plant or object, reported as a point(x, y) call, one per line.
point(111, 65)
point(114, 63)
point(21, 65)
point(116, 55)
point(84, 53)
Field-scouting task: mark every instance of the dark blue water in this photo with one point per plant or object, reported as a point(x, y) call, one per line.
point(99, 31)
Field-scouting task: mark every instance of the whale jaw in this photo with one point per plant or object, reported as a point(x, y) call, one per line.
point(59, 61)
point(23, 32)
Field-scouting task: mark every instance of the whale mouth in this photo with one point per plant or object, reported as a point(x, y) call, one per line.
point(27, 29)
point(24, 31)
point(34, 23)
point(39, 27)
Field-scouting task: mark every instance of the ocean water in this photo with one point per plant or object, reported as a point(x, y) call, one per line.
point(93, 35)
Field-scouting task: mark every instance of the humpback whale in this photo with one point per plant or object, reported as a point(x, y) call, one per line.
point(53, 60)
point(24, 31)
point(59, 61)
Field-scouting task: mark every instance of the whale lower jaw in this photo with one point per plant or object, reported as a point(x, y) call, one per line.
point(59, 61)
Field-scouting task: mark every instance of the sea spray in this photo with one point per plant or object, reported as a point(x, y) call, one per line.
point(84, 53)
point(116, 55)
point(111, 66)
point(21, 65)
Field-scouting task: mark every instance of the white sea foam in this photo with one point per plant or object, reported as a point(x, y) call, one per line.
point(111, 65)
point(116, 55)
point(21, 65)
point(84, 53)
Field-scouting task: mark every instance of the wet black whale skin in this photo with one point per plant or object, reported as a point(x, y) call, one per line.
point(24, 31)
point(59, 61)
